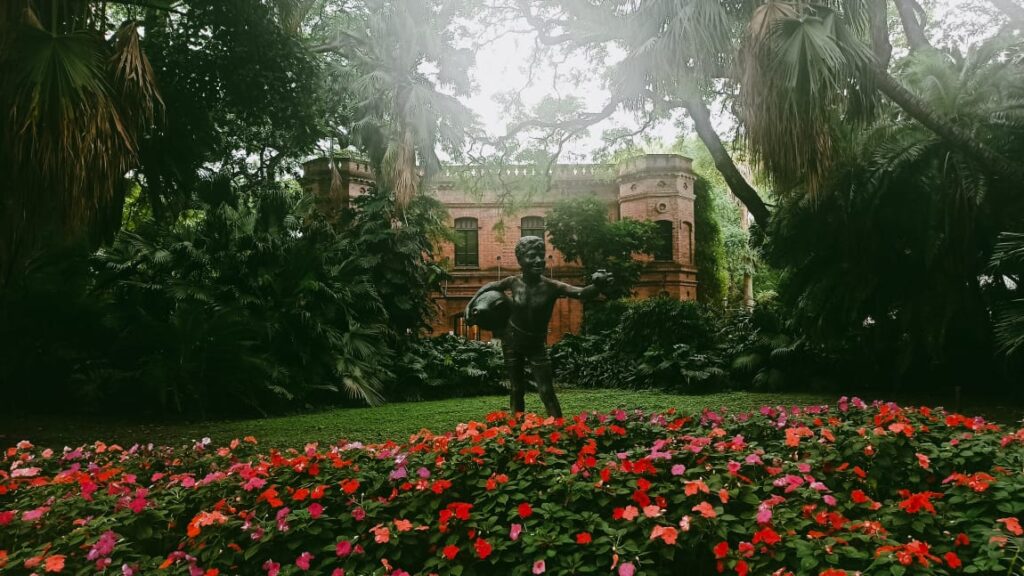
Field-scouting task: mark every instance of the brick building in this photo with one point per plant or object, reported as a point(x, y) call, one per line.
point(657, 187)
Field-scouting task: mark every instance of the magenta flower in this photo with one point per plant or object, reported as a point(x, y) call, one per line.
point(315, 510)
point(282, 519)
point(303, 560)
point(627, 569)
point(272, 568)
point(344, 548)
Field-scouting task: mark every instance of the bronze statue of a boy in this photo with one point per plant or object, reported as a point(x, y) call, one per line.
point(524, 333)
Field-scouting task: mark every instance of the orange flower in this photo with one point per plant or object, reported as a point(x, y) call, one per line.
point(204, 519)
point(1012, 525)
point(667, 534)
point(705, 509)
point(54, 563)
point(694, 486)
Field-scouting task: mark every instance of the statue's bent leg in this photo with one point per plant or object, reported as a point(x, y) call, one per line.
point(515, 365)
point(540, 365)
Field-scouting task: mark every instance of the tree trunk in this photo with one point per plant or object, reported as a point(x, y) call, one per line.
point(878, 22)
point(911, 26)
point(952, 134)
point(737, 183)
point(1012, 9)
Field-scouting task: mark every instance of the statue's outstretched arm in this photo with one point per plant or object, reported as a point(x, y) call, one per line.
point(599, 282)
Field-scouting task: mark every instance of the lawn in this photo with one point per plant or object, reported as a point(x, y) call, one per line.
point(394, 421)
point(397, 421)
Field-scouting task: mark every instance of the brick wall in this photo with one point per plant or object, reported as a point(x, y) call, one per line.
point(651, 187)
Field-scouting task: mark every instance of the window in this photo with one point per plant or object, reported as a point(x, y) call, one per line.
point(467, 247)
point(532, 226)
point(666, 240)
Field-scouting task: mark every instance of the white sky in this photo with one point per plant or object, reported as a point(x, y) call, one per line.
point(503, 65)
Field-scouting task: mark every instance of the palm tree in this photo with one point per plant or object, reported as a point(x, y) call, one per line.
point(76, 105)
point(402, 59)
point(807, 65)
point(897, 250)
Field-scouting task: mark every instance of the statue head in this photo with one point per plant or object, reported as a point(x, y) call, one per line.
point(530, 255)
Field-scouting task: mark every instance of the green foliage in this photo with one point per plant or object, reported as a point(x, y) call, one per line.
point(709, 255)
point(241, 93)
point(579, 229)
point(447, 366)
point(1007, 266)
point(653, 343)
point(396, 250)
point(893, 256)
point(256, 306)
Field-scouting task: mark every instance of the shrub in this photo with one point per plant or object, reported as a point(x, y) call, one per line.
point(852, 489)
point(652, 343)
point(448, 366)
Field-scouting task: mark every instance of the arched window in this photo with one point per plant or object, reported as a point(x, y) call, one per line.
point(467, 246)
point(532, 226)
point(666, 240)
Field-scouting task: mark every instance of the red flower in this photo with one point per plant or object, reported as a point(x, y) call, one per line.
point(483, 549)
point(741, 568)
point(450, 551)
point(833, 572)
point(767, 535)
point(525, 510)
point(721, 550)
point(952, 560)
point(583, 538)
point(914, 503)
point(349, 486)
point(962, 540)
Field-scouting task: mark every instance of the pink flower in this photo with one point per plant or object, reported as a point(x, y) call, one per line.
point(25, 472)
point(515, 531)
point(684, 523)
point(272, 568)
point(678, 470)
point(338, 572)
point(254, 483)
point(282, 519)
point(538, 567)
point(33, 515)
point(344, 548)
point(359, 514)
point(315, 510)
point(630, 512)
point(303, 560)
point(764, 514)
point(627, 569)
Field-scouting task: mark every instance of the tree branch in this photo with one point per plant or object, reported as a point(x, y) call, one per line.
point(739, 186)
point(912, 27)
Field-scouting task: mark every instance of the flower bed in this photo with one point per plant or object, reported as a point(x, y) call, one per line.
point(878, 489)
